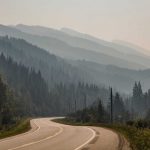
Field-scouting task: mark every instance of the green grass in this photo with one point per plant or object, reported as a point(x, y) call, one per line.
point(20, 127)
point(139, 139)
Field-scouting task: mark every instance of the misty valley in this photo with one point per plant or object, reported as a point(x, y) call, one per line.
point(46, 72)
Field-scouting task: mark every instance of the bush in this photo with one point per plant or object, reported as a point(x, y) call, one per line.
point(20, 127)
point(139, 124)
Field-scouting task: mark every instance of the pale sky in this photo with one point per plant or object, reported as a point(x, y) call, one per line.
point(127, 20)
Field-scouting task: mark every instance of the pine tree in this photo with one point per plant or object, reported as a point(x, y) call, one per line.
point(6, 104)
point(100, 111)
point(119, 108)
point(138, 100)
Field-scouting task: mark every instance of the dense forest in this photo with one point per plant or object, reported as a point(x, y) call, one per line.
point(74, 97)
point(135, 107)
point(40, 84)
point(28, 85)
point(31, 94)
point(27, 94)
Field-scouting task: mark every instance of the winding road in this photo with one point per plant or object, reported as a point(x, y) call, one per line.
point(48, 135)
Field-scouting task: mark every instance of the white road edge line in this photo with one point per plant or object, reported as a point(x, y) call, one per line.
point(20, 135)
point(60, 131)
point(93, 136)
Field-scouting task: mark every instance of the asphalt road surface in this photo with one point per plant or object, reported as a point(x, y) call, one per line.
point(48, 135)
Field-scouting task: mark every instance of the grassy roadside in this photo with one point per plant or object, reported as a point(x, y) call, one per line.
point(139, 138)
point(20, 127)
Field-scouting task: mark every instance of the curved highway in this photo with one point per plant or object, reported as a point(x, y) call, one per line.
point(48, 135)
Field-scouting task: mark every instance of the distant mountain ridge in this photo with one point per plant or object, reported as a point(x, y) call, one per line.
point(132, 49)
point(124, 49)
point(79, 64)
point(136, 47)
point(64, 46)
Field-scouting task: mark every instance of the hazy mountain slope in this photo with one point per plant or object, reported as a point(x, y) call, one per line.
point(53, 69)
point(70, 40)
point(84, 36)
point(120, 78)
point(133, 46)
point(121, 46)
point(87, 42)
point(119, 49)
point(62, 49)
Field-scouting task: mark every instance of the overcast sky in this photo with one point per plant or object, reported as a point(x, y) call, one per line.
point(127, 20)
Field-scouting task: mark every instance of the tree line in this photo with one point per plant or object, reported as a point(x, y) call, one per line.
point(25, 92)
point(134, 110)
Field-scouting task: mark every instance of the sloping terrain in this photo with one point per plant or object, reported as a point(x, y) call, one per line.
point(120, 78)
point(53, 69)
point(65, 50)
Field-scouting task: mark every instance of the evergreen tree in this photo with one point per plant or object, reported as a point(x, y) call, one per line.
point(140, 100)
point(140, 92)
point(119, 108)
point(7, 104)
point(135, 91)
point(100, 111)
